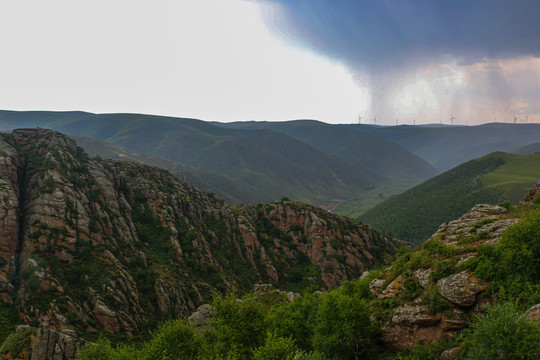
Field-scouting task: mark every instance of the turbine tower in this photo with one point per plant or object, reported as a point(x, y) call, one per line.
point(359, 119)
point(375, 120)
point(452, 118)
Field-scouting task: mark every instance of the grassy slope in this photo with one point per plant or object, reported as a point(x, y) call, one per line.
point(515, 177)
point(415, 214)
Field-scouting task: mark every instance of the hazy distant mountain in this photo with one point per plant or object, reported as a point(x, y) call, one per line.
point(272, 163)
point(389, 161)
point(448, 146)
point(416, 213)
point(533, 148)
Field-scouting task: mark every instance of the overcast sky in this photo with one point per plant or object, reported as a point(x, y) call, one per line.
point(226, 60)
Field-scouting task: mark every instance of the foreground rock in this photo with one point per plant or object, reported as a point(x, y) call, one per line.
point(439, 294)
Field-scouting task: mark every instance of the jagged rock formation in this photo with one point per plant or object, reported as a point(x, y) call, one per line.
point(101, 245)
point(53, 345)
point(439, 293)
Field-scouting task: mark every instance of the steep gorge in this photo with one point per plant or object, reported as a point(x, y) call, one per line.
point(97, 245)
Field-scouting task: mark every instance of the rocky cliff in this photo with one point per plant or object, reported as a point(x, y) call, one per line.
point(97, 245)
point(430, 293)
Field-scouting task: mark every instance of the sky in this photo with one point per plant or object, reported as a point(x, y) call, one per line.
point(396, 61)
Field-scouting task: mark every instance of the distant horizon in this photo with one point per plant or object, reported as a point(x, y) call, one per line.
point(279, 120)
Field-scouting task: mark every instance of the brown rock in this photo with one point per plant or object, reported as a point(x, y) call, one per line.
point(106, 317)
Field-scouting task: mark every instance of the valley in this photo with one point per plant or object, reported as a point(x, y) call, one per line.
point(97, 246)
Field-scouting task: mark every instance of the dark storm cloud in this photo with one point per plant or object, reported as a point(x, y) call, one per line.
point(371, 35)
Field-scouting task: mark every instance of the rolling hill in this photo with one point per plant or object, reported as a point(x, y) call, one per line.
point(266, 164)
point(533, 148)
point(389, 161)
point(415, 214)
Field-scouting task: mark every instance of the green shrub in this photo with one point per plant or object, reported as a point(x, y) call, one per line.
point(276, 348)
point(174, 340)
point(104, 350)
point(503, 332)
point(16, 342)
point(343, 327)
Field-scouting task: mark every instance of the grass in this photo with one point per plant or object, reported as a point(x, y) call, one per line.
point(355, 208)
point(515, 177)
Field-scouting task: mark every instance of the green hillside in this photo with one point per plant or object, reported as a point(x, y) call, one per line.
point(415, 214)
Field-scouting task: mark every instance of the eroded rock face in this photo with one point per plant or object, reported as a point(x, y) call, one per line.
point(113, 243)
point(53, 345)
point(534, 193)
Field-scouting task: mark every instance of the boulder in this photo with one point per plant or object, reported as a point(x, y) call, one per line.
point(534, 312)
point(200, 319)
point(414, 315)
point(461, 288)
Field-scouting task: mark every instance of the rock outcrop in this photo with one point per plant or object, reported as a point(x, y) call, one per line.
point(438, 293)
point(102, 245)
point(53, 345)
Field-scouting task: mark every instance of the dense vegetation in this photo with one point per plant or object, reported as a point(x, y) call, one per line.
point(415, 214)
point(333, 324)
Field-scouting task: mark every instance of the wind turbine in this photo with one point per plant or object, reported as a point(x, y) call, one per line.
point(452, 118)
point(375, 120)
point(359, 119)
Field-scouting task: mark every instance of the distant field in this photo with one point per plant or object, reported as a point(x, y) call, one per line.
point(515, 177)
point(357, 207)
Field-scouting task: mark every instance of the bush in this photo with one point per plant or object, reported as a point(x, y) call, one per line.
point(238, 326)
point(15, 342)
point(276, 348)
point(504, 332)
point(174, 340)
point(104, 350)
point(343, 327)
